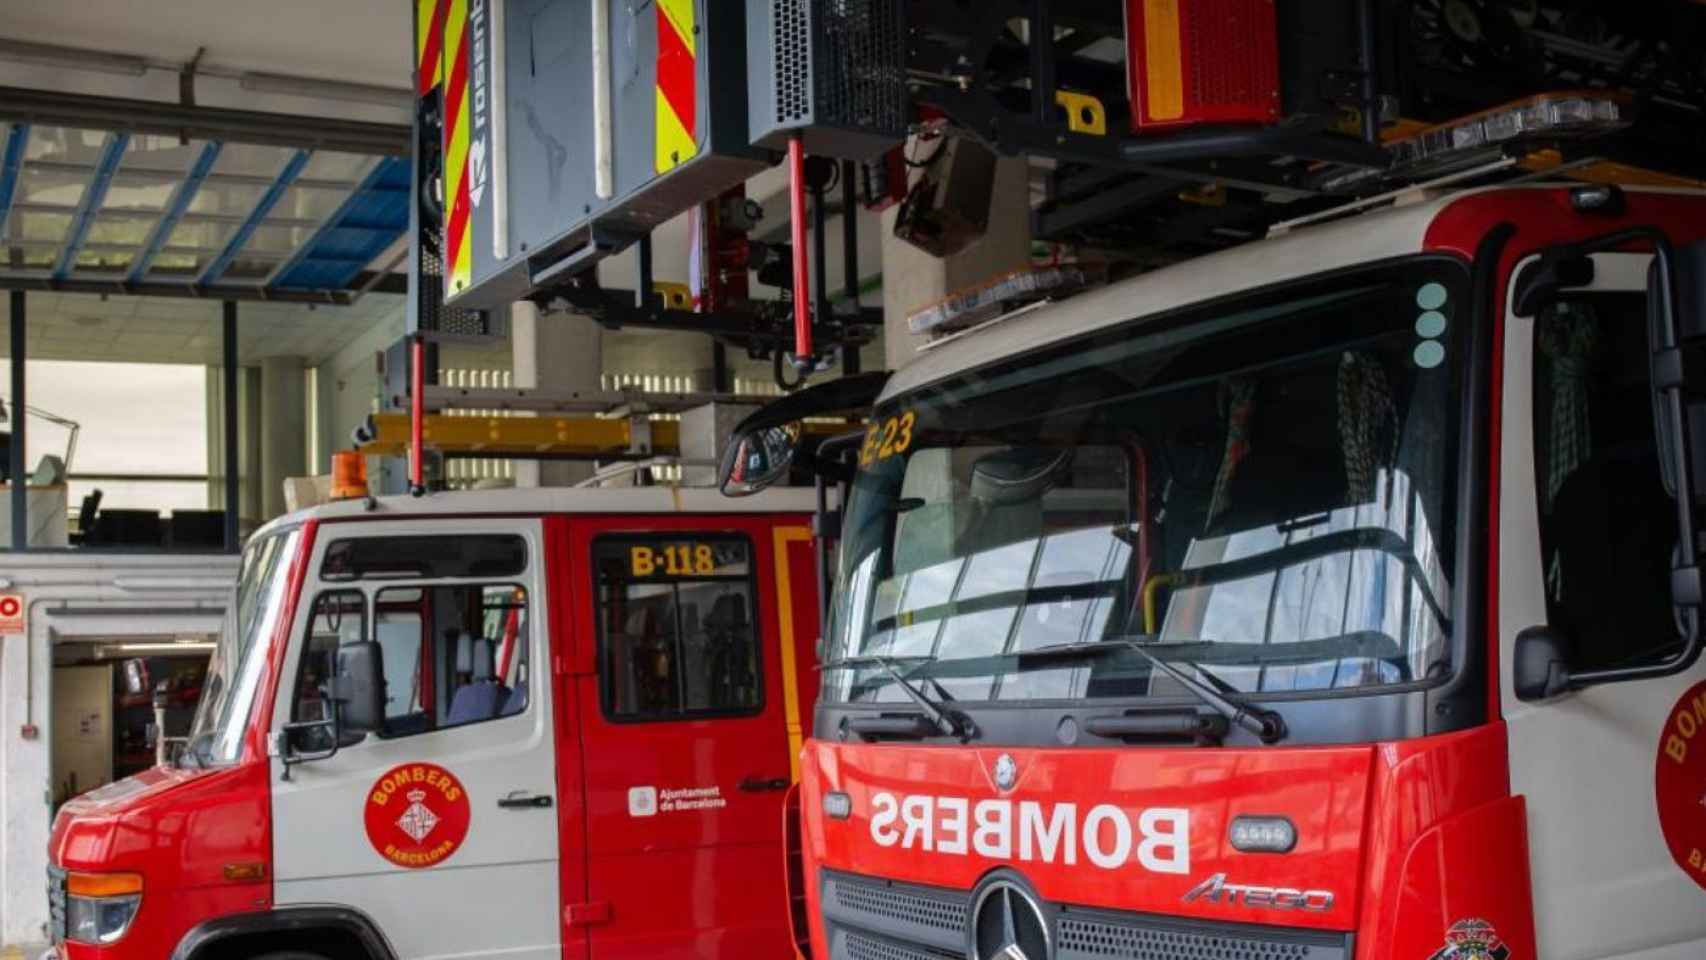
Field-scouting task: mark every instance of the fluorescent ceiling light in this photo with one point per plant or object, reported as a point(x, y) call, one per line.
point(50, 55)
point(325, 89)
point(157, 646)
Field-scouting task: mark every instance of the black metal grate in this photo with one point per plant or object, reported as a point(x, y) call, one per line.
point(862, 75)
point(866, 948)
point(431, 313)
point(1108, 939)
point(791, 29)
point(888, 903)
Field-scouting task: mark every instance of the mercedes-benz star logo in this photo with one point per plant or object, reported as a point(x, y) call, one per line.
point(1006, 771)
point(1007, 924)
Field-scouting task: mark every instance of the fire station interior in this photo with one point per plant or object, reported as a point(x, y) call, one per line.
point(266, 258)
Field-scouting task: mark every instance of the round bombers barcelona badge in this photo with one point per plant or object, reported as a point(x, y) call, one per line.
point(1680, 782)
point(417, 815)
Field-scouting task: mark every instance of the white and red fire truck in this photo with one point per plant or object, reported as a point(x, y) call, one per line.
point(1333, 596)
point(519, 723)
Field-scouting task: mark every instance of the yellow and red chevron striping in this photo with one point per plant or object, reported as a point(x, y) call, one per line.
point(429, 41)
point(458, 227)
point(677, 85)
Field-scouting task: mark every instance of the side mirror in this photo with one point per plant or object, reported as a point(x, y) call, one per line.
point(1540, 668)
point(360, 687)
point(757, 459)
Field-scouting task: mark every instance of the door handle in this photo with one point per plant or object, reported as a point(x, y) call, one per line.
point(761, 784)
point(520, 801)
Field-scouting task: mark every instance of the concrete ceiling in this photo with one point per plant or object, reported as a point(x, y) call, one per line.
point(76, 326)
point(361, 41)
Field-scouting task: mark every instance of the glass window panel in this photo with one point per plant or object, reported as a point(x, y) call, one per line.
point(244, 268)
point(309, 203)
point(331, 165)
point(30, 225)
point(277, 240)
point(148, 192)
point(103, 261)
point(65, 145)
point(238, 199)
point(131, 231)
point(57, 187)
point(677, 630)
point(251, 160)
point(202, 235)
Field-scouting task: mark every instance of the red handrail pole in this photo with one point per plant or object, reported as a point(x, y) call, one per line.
point(802, 268)
point(417, 415)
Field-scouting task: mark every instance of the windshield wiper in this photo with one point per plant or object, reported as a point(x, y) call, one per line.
point(1266, 725)
point(948, 722)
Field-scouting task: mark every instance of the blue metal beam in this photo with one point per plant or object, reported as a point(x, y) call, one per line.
point(11, 163)
point(112, 152)
point(369, 220)
point(175, 210)
point(270, 199)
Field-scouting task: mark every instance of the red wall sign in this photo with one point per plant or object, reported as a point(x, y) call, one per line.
point(11, 613)
point(1680, 783)
point(417, 815)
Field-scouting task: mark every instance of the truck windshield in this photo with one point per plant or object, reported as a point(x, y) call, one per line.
point(239, 661)
point(1260, 489)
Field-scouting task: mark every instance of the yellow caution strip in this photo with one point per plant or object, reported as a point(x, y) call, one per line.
point(783, 536)
point(677, 85)
point(458, 224)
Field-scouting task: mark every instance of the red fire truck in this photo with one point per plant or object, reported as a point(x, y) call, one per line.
point(520, 723)
point(1334, 596)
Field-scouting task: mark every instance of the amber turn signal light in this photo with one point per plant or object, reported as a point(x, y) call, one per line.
point(103, 884)
point(238, 872)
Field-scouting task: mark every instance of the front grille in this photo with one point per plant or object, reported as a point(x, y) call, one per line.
point(856, 947)
point(56, 904)
point(1130, 937)
point(895, 904)
point(867, 918)
point(880, 915)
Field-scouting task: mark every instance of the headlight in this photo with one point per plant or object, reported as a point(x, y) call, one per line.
point(100, 906)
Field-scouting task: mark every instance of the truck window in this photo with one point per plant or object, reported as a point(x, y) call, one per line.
point(1607, 525)
point(677, 639)
point(340, 617)
point(471, 556)
point(454, 654)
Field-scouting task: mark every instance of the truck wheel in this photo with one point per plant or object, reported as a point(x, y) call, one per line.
point(290, 955)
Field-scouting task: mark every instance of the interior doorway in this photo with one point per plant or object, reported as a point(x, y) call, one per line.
point(113, 698)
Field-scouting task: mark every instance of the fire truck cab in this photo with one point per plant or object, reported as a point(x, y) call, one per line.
point(517, 723)
point(1332, 596)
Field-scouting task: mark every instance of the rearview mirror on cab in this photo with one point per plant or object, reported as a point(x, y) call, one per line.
point(767, 445)
point(360, 687)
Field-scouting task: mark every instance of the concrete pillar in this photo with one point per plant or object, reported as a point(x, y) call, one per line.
point(556, 352)
point(283, 428)
point(913, 278)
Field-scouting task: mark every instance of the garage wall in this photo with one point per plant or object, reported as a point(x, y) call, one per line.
point(87, 600)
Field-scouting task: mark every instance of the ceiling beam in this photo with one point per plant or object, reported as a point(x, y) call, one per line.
point(52, 108)
point(94, 194)
point(11, 158)
point(174, 212)
point(240, 236)
point(182, 290)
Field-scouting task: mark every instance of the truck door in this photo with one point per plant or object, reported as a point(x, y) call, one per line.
point(684, 737)
point(442, 827)
point(1586, 531)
